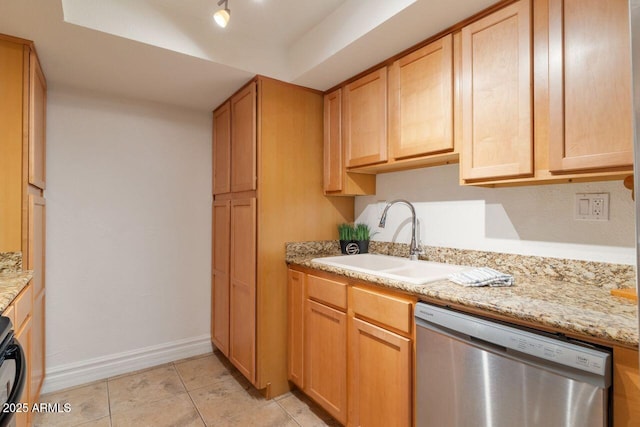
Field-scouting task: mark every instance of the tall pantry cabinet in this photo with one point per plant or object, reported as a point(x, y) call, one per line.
point(22, 203)
point(268, 190)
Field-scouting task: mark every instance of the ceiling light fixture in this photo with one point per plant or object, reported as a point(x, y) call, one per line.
point(222, 16)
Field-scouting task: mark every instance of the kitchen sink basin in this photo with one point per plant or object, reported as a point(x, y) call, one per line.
point(403, 269)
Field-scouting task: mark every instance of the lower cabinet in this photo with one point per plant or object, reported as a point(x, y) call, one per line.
point(295, 327)
point(25, 338)
point(626, 387)
point(326, 352)
point(380, 376)
point(22, 313)
point(351, 349)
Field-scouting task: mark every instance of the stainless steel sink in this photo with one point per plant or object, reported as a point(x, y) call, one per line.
point(397, 268)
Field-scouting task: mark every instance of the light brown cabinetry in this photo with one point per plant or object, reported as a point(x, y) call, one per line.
point(358, 351)
point(365, 119)
point(24, 337)
point(380, 377)
point(21, 313)
point(22, 181)
point(243, 139)
point(37, 123)
point(326, 352)
point(36, 263)
point(295, 328)
point(275, 193)
point(497, 121)
point(397, 117)
point(325, 338)
point(242, 279)
point(221, 247)
point(222, 149)
point(626, 387)
point(381, 358)
point(337, 181)
point(590, 92)
point(557, 108)
point(421, 101)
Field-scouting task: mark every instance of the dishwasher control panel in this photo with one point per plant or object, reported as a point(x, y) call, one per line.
point(528, 343)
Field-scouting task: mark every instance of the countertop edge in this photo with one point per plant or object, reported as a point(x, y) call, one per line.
point(613, 334)
point(11, 284)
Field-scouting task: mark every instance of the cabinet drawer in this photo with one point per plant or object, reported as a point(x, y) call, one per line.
point(22, 306)
point(327, 291)
point(385, 310)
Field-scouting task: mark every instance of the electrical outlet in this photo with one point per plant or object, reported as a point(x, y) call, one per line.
point(592, 206)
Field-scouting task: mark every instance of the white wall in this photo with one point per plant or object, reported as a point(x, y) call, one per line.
point(530, 220)
point(128, 235)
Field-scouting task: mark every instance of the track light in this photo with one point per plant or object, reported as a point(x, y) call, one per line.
point(222, 16)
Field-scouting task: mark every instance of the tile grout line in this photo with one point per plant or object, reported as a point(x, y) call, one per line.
point(109, 403)
point(189, 394)
point(287, 412)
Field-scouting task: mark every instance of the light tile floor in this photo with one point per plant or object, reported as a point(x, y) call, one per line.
point(200, 391)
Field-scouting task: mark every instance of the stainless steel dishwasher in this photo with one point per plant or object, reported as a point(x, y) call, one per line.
point(474, 372)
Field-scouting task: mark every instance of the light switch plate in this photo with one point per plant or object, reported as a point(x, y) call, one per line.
point(592, 206)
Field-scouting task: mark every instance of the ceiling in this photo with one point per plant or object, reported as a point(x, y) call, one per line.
point(170, 51)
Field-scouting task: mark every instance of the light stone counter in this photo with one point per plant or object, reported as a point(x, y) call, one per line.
point(572, 296)
point(12, 278)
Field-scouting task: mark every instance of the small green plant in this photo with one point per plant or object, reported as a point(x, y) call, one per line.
point(362, 231)
point(346, 231)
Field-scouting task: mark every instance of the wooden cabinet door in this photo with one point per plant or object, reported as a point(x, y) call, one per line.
point(23, 419)
point(243, 139)
point(295, 327)
point(222, 149)
point(242, 307)
point(221, 225)
point(36, 238)
point(421, 101)
point(591, 121)
point(380, 377)
point(333, 164)
point(37, 347)
point(365, 119)
point(337, 181)
point(496, 95)
point(37, 123)
point(626, 387)
point(11, 123)
point(326, 358)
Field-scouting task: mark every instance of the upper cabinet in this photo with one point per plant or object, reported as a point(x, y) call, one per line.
point(337, 181)
point(37, 122)
point(558, 106)
point(398, 117)
point(234, 143)
point(222, 149)
point(333, 159)
point(243, 139)
point(589, 85)
point(421, 101)
point(365, 119)
point(497, 138)
point(537, 91)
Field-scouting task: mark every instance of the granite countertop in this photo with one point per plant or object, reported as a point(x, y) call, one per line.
point(11, 283)
point(12, 277)
point(564, 301)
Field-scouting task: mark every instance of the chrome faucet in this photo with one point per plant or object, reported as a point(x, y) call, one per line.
point(414, 251)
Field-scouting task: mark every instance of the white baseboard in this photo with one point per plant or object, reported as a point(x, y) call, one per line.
point(72, 374)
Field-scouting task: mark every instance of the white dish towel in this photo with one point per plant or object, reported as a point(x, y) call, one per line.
point(482, 276)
